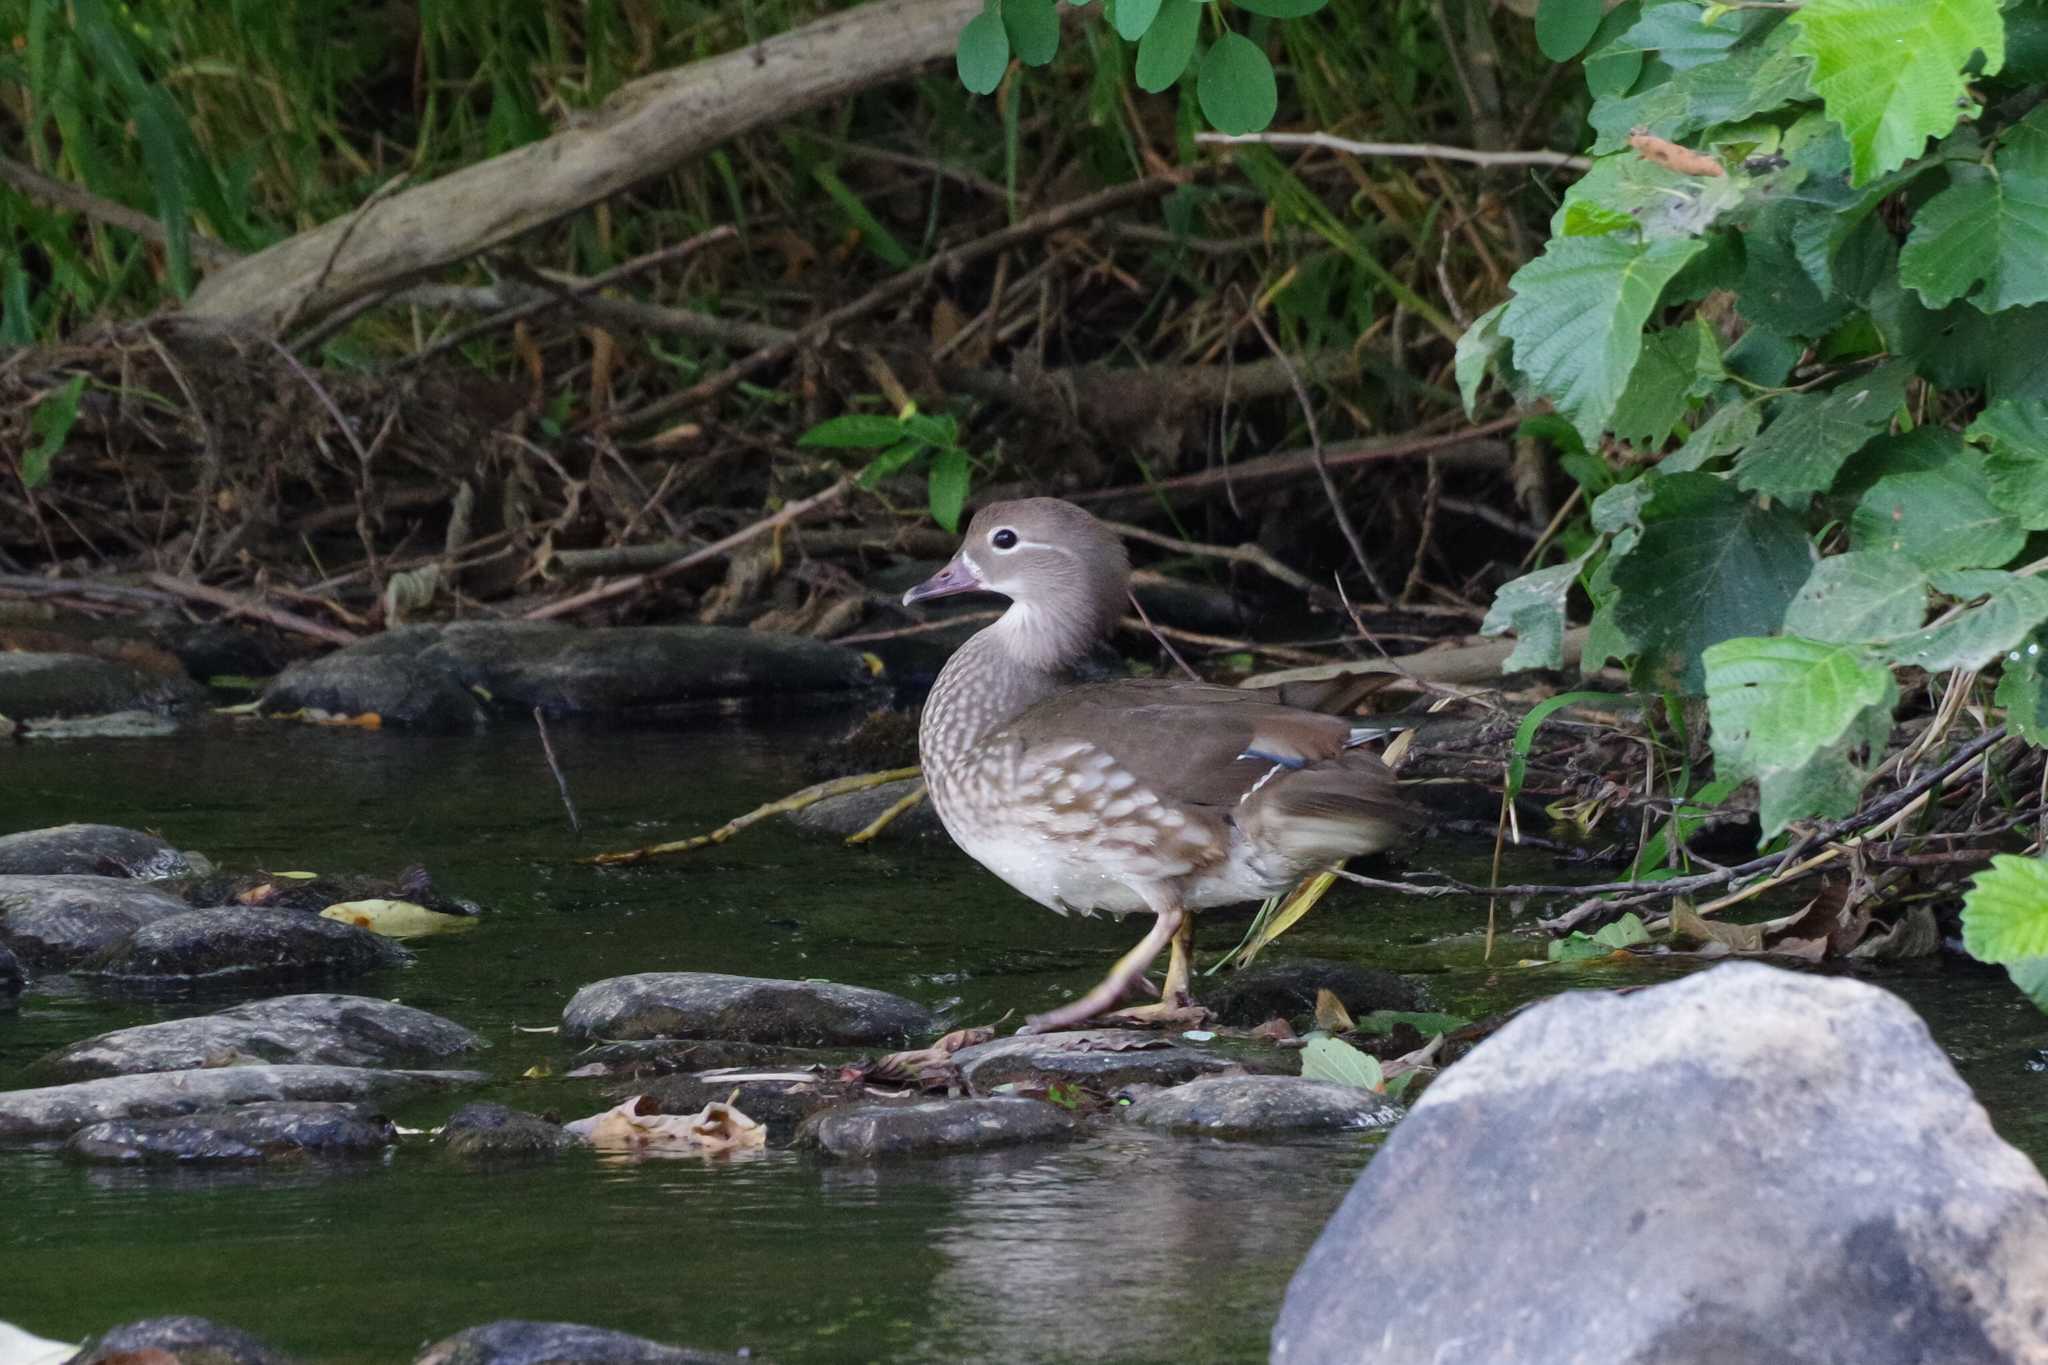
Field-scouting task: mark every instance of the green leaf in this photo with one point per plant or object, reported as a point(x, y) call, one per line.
point(51, 422)
point(1034, 30)
point(1679, 35)
point(1133, 17)
point(1424, 1022)
point(1733, 426)
point(1862, 597)
point(1625, 932)
point(1164, 51)
point(1577, 317)
point(1282, 9)
point(890, 461)
point(2023, 148)
point(1757, 76)
point(1933, 505)
point(853, 431)
point(1324, 1058)
point(877, 238)
point(984, 53)
point(951, 471)
point(1481, 345)
point(1564, 27)
point(1525, 733)
point(1986, 228)
point(2016, 433)
point(1891, 71)
point(1677, 364)
point(2005, 911)
point(1710, 565)
point(1235, 86)
point(1784, 710)
point(1578, 947)
point(1612, 66)
point(1813, 435)
point(1532, 606)
point(2023, 690)
point(2014, 607)
point(2029, 974)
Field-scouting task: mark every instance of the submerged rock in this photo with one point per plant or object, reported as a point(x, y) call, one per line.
point(872, 1130)
point(190, 1340)
point(235, 941)
point(220, 649)
point(516, 1342)
point(1102, 1059)
point(1288, 990)
point(1750, 1164)
point(386, 676)
point(92, 850)
point(666, 1056)
point(57, 922)
point(268, 1130)
point(855, 811)
point(334, 1030)
point(12, 978)
point(1262, 1106)
point(745, 1009)
point(37, 687)
point(493, 1130)
point(57, 1110)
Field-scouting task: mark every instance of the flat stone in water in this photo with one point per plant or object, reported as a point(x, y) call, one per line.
point(57, 922)
point(93, 850)
point(236, 941)
point(334, 1030)
point(494, 1130)
point(1262, 1106)
point(1102, 1059)
point(386, 675)
point(874, 1130)
point(277, 1130)
point(855, 811)
point(781, 1104)
point(58, 1110)
point(49, 686)
point(193, 1341)
point(746, 1009)
point(666, 1056)
point(1287, 990)
point(516, 1342)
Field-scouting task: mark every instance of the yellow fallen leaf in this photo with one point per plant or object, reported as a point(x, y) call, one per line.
point(396, 919)
point(713, 1130)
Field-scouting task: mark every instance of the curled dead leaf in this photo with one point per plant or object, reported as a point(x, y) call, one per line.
point(1672, 156)
point(638, 1124)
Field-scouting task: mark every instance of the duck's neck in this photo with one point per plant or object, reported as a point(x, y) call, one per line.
point(1003, 669)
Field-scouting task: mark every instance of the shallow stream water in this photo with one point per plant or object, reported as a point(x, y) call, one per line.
point(1126, 1248)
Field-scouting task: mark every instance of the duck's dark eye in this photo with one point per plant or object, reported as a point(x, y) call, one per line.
point(1005, 539)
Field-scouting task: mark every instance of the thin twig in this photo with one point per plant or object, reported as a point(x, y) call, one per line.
point(1417, 150)
point(1164, 643)
point(35, 185)
point(261, 611)
point(540, 723)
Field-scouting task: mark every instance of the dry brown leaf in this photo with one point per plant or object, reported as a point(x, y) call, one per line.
point(930, 1067)
point(638, 1125)
point(1331, 1016)
point(1103, 1042)
point(1276, 1031)
point(1673, 157)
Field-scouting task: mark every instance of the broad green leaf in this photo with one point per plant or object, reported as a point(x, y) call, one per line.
point(1324, 1058)
point(1619, 511)
point(853, 431)
point(2016, 434)
point(1612, 66)
point(1532, 606)
point(1812, 435)
point(2005, 911)
point(1891, 71)
point(1034, 29)
point(397, 919)
point(1625, 192)
point(1626, 932)
point(1425, 1022)
point(1578, 947)
point(1235, 86)
point(2023, 148)
point(1564, 27)
point(2013, 609)
point(1678, 34)
point(948, 482)
point(1830, 784)
point(1933, 505)
point(1862, 597)
point(876, 237)
point(1282, 9)
point(1577, 317)
point(1777, 292)
point(890, 461)
point(984, 53)
point(1133, 17)
point(1987, 228)
point(1164, 51)
point(2023, 690)
point(1761, 73)
point(1710, 565)
point(1733, 426)
point(52, 420)
point(1677, 364)
point(1478, 348)
point(2030, 974)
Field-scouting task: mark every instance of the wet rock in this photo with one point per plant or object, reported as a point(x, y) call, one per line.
point(745, 1009)
point(313, 894)
point(1102, 1059)
point(872, 1130)
point(1191, 606)
point(280, 1130)
point(780, 1102)
point(666, 1056)
point(515, 1342)
point(234, 941)
point(92, 850)
point(1288, 990)
point(12, 978)
point(1262, 1106)
point(389, 676)
point(323, 1029)
point(855, 811)
point(58, 922)
point(1799, 1162)
point(37, 687)
point(880, 740)
point(57, 1110)
point(493, 1130)
point(188, 1340)
point(220, 650)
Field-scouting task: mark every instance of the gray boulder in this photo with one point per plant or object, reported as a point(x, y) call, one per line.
point(493, 1130)
point(874, 1130)
point(94, 850)
point(275, 1130)
point(56, 922)
point(193, 1341)
point(12, 978)
point(1102, 1059)
point(666, 1056)
point(742, 1009)
point(1262, 1106)
point(332, 1030)
point(386, 675)
point(514, 1342)
point(1287, 990)
point(58, 1110)
point(853, 812)
point(37, 687)
point(1750, 1164)
point(238, 942)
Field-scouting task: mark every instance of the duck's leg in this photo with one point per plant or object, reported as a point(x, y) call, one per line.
point(1166, 926)
point(1176, 1005)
